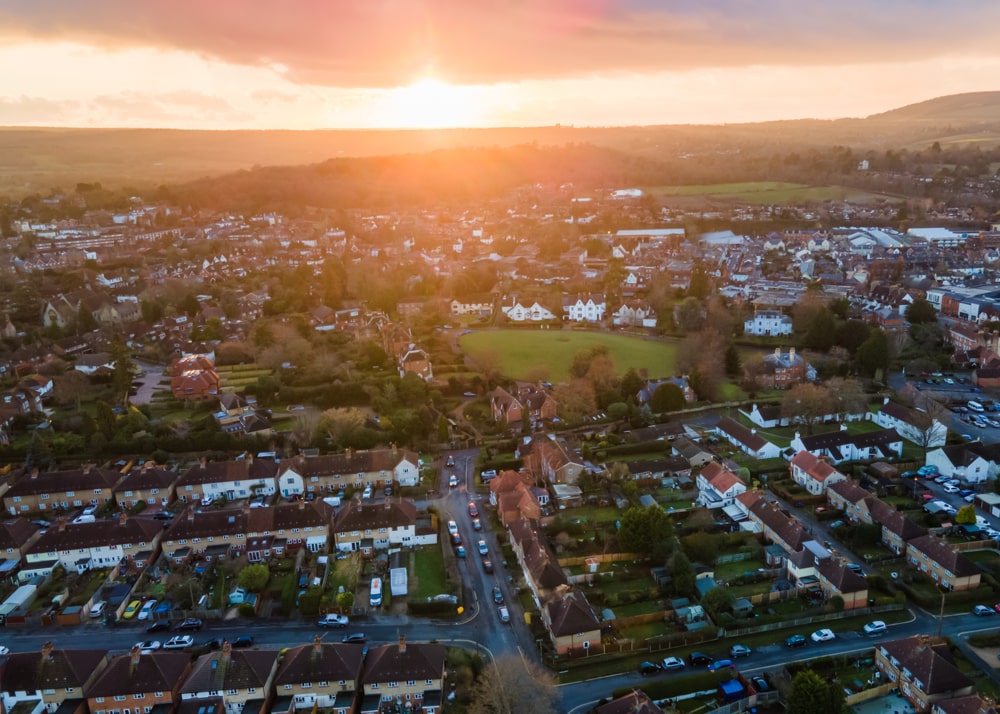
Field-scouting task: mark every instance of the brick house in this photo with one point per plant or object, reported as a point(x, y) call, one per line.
point(194, 378)
point(410, 674)
point(923, 669)
point(323, 675)
point(781, 370)
point(48, 678)
point(231, 480)
point(378, 526)
point(138, 682)
point(40, 491)
point(573, 627)
point(242, 678)
point(813, 473)
point(147, 484)
point(835, 578)
point(942, 563)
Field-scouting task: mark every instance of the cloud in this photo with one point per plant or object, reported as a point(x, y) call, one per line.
point(380, 43)
point(36, 111)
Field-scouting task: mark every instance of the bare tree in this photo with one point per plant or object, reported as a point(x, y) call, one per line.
point(808, 403)
point(847, 396)
point(511, 686)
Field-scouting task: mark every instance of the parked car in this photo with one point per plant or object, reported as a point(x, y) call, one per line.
point(700, 659)
point(332, 620)
point(191, 623)
point(242, 641)
point(497, 595)
point(148, 646)
point(671, 663)
point(721, 664)
point(473, 511)
point(647, 668)
point(795, 641)
point(452, 528)
point(875, 628)
point(950, 488)
point(760, 684)
point(824, 635)
point(477, 525)
point(354, 637)
point(98, 608)
point(179, 642)
point(159, 626)
point(460, 551)
point(487, 566)
point(981, 610)
point(452, 481)
point(504, 613)
point(739, 651)
point(132, 609)
point(483, 548)
point(450, 461)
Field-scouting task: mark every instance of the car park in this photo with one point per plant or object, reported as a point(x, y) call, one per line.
point(981, 610)
point(191, 623)
point(700, 659)
point(795, 641)
point(647, 668)
point(333, 620)
point(148, 646)
point(739, 651)
point(875, 628)
point(673, 663)
point(179, 642)
point(503, 613)
point(824, 635)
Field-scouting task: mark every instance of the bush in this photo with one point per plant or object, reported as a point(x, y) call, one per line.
point(246, 610)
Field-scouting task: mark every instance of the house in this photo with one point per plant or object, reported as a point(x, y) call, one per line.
point(813, 473)
point(321, 675)
point(227, 480)
point(241, 678)
point(16, 536)
point(767, 416)
point(377, 526)
point(634, 313)
point(897, 529)
point(570, 620)
point(849, 497)
point(49, 679)
point(768, 323)
point(836, 579)
point(213, 534)
point(480, 306)
point(682, 383)
point(538, 562)
point(79, 547)
point(635, 702)
point(695, 455)
point(718, 487)
point(913, 425)
point(923, 669)
point(555, 461)
point(524, 312)
point(774, 524)
point(584, 308)
point(193, 378)
point(409, 674)
point(972, 462)
point(138, 682)
point(840, 446)
point(332, 473)
point(537, 404)
point(41, 491)
point(415, 361)
point(147, 484)
point(747, 440)
point(511, 494)
point(942, 563)
point(781, 370)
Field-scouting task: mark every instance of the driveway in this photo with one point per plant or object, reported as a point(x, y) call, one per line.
point(150, 379)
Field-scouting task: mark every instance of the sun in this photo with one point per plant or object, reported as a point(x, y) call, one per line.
point(430, 104)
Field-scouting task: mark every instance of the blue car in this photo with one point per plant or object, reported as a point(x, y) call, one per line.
point(927, 470)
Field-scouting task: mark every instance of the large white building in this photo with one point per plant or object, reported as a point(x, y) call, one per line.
point(768, 323)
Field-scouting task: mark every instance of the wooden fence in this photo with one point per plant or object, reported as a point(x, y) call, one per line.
point(600, 558)
point(873, 693)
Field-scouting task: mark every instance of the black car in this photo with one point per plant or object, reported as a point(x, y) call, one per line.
point(191, 623)
point(497, 595)
point(649, 668)
point(487, 566)
point(354, 637)
point(700, 659)
point(242, 641)
point(159, 626)
point(213, 644)
point(795, 641)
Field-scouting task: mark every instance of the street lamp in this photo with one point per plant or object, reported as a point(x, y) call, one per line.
point(915, 488)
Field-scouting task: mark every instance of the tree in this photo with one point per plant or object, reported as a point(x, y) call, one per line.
point(124, 370)
point(690, 315)
point(822, 331)
point(682, 573)
point(873, 355)
point(811, 694)
point(732, 361)
point(513, 686)
point(631, 384)
point(253, 577)
point(847, 396)
point(966, 515)
point(808, 403)
point(575, 400)
point(921, 312)
point(718, 601)
point(643, 530)
point(667, 397)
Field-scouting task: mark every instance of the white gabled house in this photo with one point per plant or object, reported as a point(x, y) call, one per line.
point(718, 487)
point(814, 473)
point(584, 308)
point(768, 323)
point(971, 463)
point(915, 426)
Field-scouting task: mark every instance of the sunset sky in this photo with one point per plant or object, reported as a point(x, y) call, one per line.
point(307, 64)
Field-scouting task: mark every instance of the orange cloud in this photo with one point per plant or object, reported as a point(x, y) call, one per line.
point(380, 43)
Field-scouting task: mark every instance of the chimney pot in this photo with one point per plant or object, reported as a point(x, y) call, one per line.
point(402, 644)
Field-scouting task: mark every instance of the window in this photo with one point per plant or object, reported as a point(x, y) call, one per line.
point(44, 496)
point(324, 684)
point(374, 685)
point(154, 491)
point(231, 692)
point(295, 530)
point(97, 491)
point(139, 696)
point(128, 494)
point(225, 537)
point(99, 700)
point(17, 499)
point(429, 681)
point(393, 684)
point(48, 691)
point(306, 685)
point(187, 488)
point(70, 494)
point(288, 686)
point(120, 697)
point(410, 683)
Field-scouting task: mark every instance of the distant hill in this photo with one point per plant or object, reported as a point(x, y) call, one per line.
point(959, 109)
point(36, 160)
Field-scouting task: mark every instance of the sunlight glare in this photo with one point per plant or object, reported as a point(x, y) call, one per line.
point(430, 104)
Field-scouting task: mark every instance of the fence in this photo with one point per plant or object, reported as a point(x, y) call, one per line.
point(742, 631)
point(873, 693)
point(600, 558)
point(735, 557)
point(747, 703)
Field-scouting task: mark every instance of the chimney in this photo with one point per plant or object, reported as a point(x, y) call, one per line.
point(145, 467)
point(34, 473)
point(302, 504)
point(791, 354)
point(317, 645)
point(227, 651)
point(348, 452)
point(249, 460)
point(394, 448)
point(388, 503)
point(47, 649)
point(86, 469)
point(201, 463)
point(123, 518)
point(133, 657)
point(777, 352)
point(62, 525)
point(402, 644)
point(190, 514)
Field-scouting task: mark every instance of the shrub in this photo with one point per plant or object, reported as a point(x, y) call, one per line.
point(246, 610)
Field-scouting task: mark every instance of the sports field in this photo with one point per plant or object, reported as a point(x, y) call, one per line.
point(524, 354)
point(764, 192)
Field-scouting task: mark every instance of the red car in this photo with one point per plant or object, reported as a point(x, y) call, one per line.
point(473, 511)
point(997, 607)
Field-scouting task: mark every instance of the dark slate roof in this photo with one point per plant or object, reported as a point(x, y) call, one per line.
point(242, 669)
point(221, 471)
point(841, 577)
point(741, 434)
point(156, 672)
point(850, 491)
point(325, 663)
point(83, 479)
point(635, 702)
point(355, 516)
point(569, 612)
point(403, 662)
point(31, 671)
point(143, 478)
point(354, 462)
point(15, 533)
point(943, 554)
point(67, 536)
point(929, 663)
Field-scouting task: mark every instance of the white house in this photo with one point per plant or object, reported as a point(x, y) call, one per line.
point(814, 473)
point(535, 312)
point(768, 323)
point(915, 426)
point(584, 308)
point(718, 487)
point(971, 463)
point(747, 440)
point(634, 313)
point(840, 446)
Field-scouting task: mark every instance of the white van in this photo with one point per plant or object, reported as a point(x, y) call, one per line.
point(375, 595)
point(976, 407)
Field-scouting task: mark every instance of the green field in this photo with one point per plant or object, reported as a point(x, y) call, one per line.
point(525, 354)
point(765, 192)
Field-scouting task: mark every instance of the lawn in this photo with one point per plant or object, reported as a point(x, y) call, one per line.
point(430, 573)
point(524, 354)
